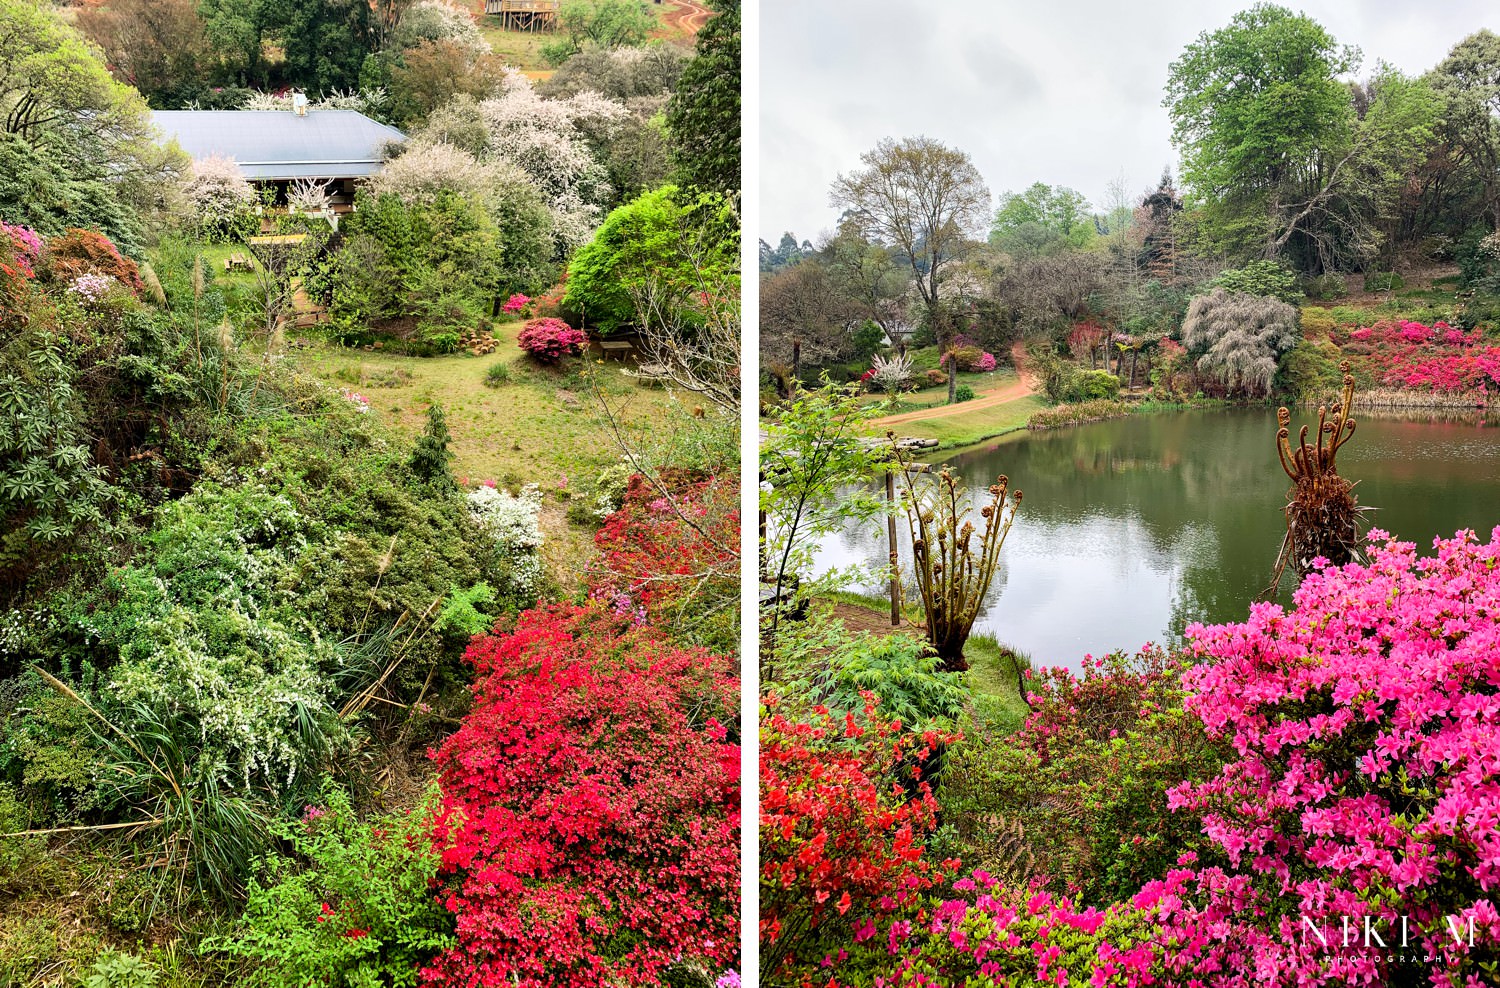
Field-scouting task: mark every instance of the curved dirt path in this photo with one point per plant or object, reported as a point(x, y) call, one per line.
point(1027, 385)
point(689, 17)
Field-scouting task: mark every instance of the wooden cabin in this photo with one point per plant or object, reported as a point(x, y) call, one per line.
point(524, 15)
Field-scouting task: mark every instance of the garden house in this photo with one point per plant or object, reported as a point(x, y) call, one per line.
point(276, 147)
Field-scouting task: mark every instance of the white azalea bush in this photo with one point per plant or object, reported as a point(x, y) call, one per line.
point(513, 521)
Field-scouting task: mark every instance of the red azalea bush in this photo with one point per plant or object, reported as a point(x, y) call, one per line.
point(1367, 784)
point(78, 252)
point(844, 815)
point(589, 825)
point(670, 553)
point(549, 340)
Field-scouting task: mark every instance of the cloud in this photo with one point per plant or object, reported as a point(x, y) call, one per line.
point(1063, 93)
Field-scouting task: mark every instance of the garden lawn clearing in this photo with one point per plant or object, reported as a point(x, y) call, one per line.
point(544, 426)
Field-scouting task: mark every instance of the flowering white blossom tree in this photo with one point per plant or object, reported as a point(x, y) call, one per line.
point(439, 20)
point(218, 192)
point(550, 140)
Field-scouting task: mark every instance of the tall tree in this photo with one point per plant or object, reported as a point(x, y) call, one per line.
point(703, 116)
point(1468, 82)
point(1042, 218)
point(925, 200)
point(1283, 156)
point(158, 46)
point(1251, 104)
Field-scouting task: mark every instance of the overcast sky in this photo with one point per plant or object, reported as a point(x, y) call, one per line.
point(1067, 93)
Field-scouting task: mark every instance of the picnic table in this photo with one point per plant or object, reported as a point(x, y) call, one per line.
point(238, 262)
point(619, 347)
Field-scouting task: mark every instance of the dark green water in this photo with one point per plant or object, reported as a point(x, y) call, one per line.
point(1130, 530)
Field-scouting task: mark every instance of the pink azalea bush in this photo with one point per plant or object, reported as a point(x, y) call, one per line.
point(1368, 783)
point(549, 340)
point(1352, 835)
point(986, 362)
point(26, 246)
point(1405, 354)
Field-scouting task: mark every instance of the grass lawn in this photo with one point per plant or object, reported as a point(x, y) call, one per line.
point(522, 49)
point(965, 428)
point(545, 426)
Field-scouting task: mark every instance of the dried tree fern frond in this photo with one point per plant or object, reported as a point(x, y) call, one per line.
point(1323, 515)
point(953, 572)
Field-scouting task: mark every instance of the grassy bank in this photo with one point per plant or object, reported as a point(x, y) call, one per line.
point(992, 665)
point(967, 428)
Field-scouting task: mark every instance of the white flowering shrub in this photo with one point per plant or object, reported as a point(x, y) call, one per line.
point(550, 139)
point(891, 375)
point(309, 195)
point(368, 101)
point(219, 194)
point(513, 522)
point(252, 695)
point(438, 20)
point(426, 168)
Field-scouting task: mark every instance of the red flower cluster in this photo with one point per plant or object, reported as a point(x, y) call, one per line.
point(550, 340)
point(78, 252)
point(589, 828)
point(843, 816)
point(662, 545)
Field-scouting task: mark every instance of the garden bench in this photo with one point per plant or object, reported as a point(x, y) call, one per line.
point(620, 347)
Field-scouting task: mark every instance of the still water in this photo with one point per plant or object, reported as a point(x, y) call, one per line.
point(1132, 529)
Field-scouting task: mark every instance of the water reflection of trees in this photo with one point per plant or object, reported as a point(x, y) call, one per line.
point(1197, 496)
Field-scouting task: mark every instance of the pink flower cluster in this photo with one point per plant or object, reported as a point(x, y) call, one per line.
point(515, 304)
point(26, 244)
point(1367, 790)
point(1439, 357)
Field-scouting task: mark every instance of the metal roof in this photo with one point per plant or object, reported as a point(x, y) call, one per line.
point(276, 144)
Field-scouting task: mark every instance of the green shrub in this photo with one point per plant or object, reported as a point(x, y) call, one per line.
point(1383, 281)
point(963, 393)
point(351, 905)
point(1310, 371)
point(497, 375)
point(1267, 279)
point(1095, 385)
point(1325, 287)
point(1081, 789)
point(662, 238)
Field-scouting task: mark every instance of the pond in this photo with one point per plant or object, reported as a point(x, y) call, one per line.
point(1132, 529)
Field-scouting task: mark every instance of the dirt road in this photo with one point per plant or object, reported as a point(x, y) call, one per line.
point(687, 16)
point(1027, 385)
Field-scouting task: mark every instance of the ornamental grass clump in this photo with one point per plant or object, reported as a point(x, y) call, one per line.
point(953, 572)
point(1322, 512)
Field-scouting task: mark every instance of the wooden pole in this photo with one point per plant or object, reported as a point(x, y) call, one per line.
point(890, 525)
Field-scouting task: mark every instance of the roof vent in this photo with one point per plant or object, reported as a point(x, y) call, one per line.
point(299, 104)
